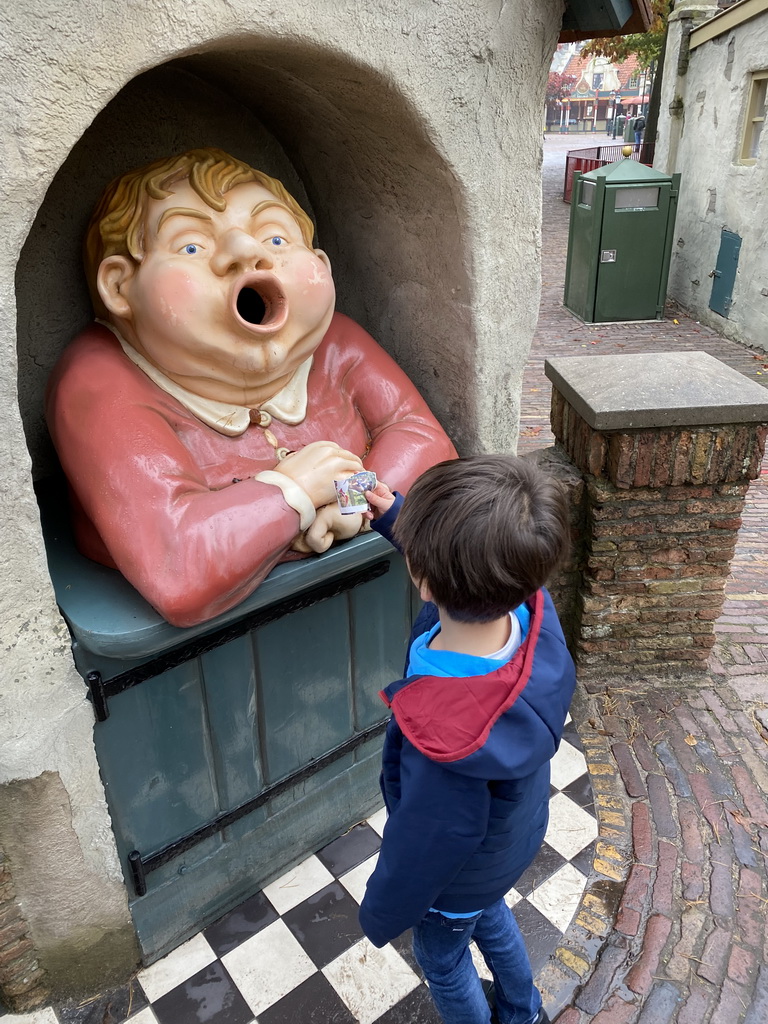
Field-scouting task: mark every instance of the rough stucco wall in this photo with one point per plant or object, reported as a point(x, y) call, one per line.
point(164, 111)
point(415, 127)
point(716, 191)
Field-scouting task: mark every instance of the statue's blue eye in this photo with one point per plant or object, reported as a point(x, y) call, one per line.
point(191, 249)
point(277, 240)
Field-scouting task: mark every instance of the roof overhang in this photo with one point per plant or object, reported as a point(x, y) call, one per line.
point(596, 19)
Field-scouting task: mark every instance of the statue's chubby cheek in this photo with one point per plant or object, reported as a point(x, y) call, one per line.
point(177, 295)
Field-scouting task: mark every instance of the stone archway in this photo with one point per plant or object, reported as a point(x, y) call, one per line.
point(419, 151)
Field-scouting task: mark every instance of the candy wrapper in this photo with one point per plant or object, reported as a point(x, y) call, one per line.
point(350, 493)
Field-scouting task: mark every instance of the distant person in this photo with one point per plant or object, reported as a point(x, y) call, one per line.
point(638, 127)
point(474, 725)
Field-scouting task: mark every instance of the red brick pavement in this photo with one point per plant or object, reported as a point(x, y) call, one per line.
point(680, 774)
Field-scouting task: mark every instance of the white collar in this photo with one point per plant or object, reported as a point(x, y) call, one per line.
point(289, 405)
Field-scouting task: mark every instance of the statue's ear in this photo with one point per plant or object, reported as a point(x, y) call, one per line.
point(113, 275)
point(324, 257)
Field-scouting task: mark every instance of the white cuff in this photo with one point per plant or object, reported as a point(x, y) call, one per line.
point(294, 495)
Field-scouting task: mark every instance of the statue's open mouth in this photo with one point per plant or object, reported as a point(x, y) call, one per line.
point(260, 302)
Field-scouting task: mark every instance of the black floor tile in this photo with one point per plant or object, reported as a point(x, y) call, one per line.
point(208, 997)
point(240, 924)
point(416, 1008)
point(541, 937)
point(547, 862)
point(326, 924)
point(571, 735)
point(580, 791)
point(111, 1007)
point(404, 946)
point(583, 859)
point(349, 850)
point(312, 1002)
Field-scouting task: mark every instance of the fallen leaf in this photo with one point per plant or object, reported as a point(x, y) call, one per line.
point(531, 431)
point(676, 322)
point(745, 821)
point(691, 740)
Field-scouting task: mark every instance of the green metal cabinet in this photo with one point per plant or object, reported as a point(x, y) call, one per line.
point(620, 242)
point(231, 750)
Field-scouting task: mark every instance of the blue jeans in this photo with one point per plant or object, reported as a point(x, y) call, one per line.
point(441, 947)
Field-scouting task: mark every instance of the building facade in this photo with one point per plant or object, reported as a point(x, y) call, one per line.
point(596, 91)
point(711, 129)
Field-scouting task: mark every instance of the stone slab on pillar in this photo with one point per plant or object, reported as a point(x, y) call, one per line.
point(667, 444)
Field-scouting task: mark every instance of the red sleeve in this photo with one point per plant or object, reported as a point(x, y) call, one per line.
point(192, 552)
point(406, 437)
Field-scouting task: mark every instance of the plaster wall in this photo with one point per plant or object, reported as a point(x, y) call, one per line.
point(411, 128)
point(701, 139)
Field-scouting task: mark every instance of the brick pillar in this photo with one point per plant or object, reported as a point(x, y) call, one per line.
point(667, 444)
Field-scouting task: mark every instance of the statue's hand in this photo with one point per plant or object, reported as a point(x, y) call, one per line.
point(329, 525)
point(315, 467)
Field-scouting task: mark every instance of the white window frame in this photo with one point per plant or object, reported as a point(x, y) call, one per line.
point(758, 81)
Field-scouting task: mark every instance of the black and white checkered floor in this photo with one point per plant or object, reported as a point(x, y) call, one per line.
point(294, 953)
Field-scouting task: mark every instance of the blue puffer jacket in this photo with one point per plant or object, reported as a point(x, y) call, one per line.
point(465, 779)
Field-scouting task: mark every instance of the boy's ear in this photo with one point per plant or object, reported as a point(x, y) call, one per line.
point(112, 277)
point(424, 592)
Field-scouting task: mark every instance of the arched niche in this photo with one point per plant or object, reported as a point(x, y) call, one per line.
point(345, 142)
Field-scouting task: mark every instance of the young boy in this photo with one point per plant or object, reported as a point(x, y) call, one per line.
point(474, 725)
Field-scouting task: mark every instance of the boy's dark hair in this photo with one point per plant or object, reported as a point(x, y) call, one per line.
point(483, 533)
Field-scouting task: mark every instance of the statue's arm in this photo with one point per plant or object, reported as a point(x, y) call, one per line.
point(406, 438)
point(191, 551)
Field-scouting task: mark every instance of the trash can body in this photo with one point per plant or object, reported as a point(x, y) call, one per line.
point(620, 242)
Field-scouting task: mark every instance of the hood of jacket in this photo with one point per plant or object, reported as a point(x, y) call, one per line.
point(502, 725)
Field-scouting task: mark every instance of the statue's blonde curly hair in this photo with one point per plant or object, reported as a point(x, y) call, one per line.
point(116, 227)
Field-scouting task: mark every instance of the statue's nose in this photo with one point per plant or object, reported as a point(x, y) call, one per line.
point(238, 250)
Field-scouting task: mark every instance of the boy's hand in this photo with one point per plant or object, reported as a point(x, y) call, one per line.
point(381, 500)
point(329, 525)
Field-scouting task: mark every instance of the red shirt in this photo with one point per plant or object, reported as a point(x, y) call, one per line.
point(153, 486)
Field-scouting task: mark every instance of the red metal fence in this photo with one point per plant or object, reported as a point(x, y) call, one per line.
point(584, 160)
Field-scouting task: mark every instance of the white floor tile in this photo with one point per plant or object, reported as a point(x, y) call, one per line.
point(512, 898)
point(268, 966)
point(370, 981)
point(567, 765)
point(558, 897)
point(378, 820)
point(480, 965)
point(175, 968)
point(297, 885)
point(43, 1016)
point(570, 827)
point(145, 1016)
point(354, 881)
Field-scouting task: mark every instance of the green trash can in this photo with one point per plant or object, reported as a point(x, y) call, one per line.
point(620, 242)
